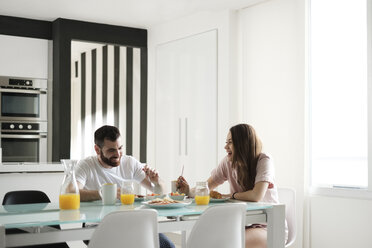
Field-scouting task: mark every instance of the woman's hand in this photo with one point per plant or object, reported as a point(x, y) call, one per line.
point(151, 174)
point(182, 185)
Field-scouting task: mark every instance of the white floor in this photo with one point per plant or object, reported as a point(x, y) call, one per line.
point(175, 237)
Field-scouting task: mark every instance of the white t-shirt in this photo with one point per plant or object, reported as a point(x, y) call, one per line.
point(90, 173)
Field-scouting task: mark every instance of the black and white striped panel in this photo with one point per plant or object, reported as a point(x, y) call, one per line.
point(109, 88)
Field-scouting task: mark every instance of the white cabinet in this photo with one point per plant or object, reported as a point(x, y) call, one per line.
point(23, 57)
point(186, 107)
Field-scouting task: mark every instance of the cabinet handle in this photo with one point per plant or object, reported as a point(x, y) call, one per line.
point(186, 136)
point(179, 136)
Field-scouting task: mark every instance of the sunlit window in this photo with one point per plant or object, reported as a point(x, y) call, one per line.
point(338, 93)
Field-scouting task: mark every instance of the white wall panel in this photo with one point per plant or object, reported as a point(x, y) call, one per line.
point(123, 93)
point(110, 85)
point(99, 118)
point(136, 101)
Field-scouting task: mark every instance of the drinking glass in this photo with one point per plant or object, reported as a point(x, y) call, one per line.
point(202, 193)
point(127, 193)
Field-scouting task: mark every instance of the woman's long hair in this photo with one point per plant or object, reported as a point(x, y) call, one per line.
point(247, 149)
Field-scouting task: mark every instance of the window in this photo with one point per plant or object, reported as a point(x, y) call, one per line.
point(338, 93)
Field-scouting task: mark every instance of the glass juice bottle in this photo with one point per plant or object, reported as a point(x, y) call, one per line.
point(202, 193)
point(69, 197)
point(127, 193)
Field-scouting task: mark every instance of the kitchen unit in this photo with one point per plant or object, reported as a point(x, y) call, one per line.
point(186, 107)
point(23, 119)
point(24, 71)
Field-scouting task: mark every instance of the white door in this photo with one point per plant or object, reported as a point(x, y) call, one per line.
point(186, 107)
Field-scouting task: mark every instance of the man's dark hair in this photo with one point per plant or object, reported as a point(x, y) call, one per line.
point(106, 132)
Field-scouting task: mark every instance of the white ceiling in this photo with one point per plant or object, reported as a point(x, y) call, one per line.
point(132, 13)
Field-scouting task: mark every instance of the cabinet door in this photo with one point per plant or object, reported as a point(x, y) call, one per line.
point(168, 124)
point(186, 107)
point(23, 57)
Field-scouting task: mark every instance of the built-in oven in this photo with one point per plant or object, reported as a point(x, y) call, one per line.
point(24, 141)
point(23, 119)
point(23, 99)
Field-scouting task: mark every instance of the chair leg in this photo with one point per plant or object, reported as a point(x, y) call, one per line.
point(2, 236)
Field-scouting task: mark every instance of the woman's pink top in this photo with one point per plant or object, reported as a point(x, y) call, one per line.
point(265, 173)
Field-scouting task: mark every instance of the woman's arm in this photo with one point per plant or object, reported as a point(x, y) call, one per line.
point(212, 184)
point(254, 195)
point(183, 186)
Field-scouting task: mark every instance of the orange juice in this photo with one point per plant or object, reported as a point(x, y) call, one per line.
point(202, 200)
point(127, 199)
point(69, 201)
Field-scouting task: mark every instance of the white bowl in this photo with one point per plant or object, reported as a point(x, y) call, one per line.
point(177, 197)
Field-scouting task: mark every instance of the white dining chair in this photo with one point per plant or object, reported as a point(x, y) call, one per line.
point(287, 196)
point(220, 226)
point(130, 229)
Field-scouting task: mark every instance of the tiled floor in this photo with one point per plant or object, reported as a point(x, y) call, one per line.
point(176, 238)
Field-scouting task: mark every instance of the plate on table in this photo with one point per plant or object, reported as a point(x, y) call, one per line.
point(166, 205)
point(139, 198)
point(218, 200)
point(154, 196)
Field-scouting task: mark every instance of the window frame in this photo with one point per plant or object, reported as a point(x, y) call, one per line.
point(344, 191)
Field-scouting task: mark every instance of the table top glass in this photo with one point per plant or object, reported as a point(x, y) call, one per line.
point(29, 215)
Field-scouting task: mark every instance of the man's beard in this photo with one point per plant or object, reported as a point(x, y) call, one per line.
point(108, 160)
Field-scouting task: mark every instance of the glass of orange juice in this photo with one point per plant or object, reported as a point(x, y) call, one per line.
point(202, 193)
point(127, 193)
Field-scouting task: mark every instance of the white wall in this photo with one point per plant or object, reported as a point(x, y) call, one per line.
point(261, 81)
point(224, 22)
point(340, 222)
point(273, 75)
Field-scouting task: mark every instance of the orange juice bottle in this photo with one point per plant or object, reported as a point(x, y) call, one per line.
point(202, 193)
point(69, 196)
point(127, 193)
point(69, 201)
point(127, 199)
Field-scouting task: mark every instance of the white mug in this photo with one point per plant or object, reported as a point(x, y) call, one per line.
point(174, 186)
point(108, 193)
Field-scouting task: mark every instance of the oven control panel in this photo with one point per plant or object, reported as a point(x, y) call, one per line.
point(21, 126)
point(20, 82)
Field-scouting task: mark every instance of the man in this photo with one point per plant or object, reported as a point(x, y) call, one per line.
point(111, 166)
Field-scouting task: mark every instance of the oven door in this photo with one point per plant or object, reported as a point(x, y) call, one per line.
point(24, 147)
point(18, 104)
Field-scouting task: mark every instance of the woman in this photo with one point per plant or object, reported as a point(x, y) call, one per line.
point(250, 174)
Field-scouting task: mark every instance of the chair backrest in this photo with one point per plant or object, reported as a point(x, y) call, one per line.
point(287, 196)
point(130, 229)
point(25, 197)
point(220, 226)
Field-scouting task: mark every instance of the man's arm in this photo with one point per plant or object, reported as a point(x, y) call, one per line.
point(88, 195)
point(152, 181)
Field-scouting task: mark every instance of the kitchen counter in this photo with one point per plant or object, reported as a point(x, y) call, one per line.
point(30, 167)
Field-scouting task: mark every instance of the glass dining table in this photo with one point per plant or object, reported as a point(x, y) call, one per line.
point(36, 220)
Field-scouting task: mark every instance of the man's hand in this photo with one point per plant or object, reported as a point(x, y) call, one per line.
point(151, 174)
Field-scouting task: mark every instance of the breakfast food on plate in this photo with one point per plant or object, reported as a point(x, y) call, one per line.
point(164, 201)
point(153, 194)
point(176, 193)
point(140, 196)
point(215, 195)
